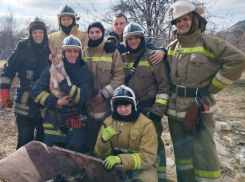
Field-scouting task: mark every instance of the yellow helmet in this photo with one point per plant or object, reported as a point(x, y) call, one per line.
point(179, 9)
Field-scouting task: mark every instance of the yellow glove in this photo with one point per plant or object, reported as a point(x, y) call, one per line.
point(108, 133)
point(111, 161)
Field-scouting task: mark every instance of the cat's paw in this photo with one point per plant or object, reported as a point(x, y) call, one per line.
point(69, 82)
point(55, 85)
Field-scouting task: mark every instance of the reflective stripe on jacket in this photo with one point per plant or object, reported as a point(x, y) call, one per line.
point(136, 144)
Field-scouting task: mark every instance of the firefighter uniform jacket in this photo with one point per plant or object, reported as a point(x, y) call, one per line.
point(108, 74)
point(28, 62)
point(56, 38)
point(136, 144)
point(199, 61)
point(150, 82)
point(79, 91)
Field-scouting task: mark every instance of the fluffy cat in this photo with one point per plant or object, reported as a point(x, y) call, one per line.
point(57, 66)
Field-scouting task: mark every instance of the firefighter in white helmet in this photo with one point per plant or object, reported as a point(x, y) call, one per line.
point(200, 66)
point(129, 138)
point(64, 125)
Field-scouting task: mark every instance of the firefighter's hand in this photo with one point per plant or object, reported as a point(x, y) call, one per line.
point(110, 46)
point(74, 122)
point(156, 56)
point(6, 100)
point(99, 97)
point(108, 133)
point(111, 161)
point(64, 100)
point(53, 53)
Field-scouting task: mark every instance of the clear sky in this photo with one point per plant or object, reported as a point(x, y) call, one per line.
point(25, 10)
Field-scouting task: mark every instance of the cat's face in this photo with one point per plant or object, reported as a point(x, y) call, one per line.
point(57, 62)
point(72, 55)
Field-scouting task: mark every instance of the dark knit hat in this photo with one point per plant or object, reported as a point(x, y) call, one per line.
point(38, 27)
point(98, 25)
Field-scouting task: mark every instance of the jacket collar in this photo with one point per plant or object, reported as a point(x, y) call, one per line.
point(189, 38)
point(73, 31)
point(113, 33)
point(99, 48)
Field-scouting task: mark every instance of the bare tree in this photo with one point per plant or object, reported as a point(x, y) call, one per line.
point(9, 32)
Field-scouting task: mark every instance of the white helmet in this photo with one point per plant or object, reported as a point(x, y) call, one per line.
point(71, 42)
point(123, 93)
point(179, 9)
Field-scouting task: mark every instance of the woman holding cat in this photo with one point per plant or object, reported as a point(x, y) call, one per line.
point(28, 59)
point(63, 125)
point(107, 69)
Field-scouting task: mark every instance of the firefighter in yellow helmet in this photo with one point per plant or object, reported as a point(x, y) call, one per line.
point(67, 26)
point(200, 66)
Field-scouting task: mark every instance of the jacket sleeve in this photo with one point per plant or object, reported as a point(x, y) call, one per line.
point(147, 154)
point(10, 69)
point(102, 149)
point(79, 94)
point(152, 47)
point(40, 91)
point(161, 74)
point(232, 63)
point(118, 75)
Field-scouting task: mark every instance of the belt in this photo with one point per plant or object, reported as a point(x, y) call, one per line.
point(183, 91)
point(61, 117)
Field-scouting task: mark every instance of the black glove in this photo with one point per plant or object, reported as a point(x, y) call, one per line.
point(154, 117)
point(110, 46)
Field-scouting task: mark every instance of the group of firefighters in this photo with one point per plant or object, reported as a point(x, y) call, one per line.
point(120, 89)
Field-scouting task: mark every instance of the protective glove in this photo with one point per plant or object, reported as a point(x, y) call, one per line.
point(193, 118)
point(110, 46)
point(111, 161)
point(108, 133)
point(6, 100)
point(74, 122)
point(154, 117)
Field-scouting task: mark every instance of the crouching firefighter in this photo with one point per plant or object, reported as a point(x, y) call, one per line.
point(63, 125)
point(129, 138)
point(28, 60)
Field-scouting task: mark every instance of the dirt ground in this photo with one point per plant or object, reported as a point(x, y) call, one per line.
point(230, 109)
